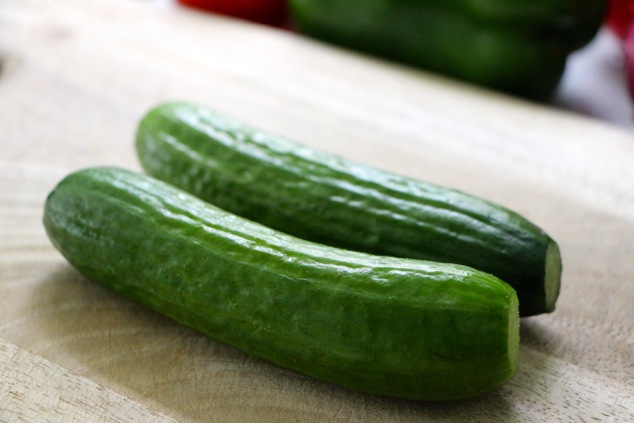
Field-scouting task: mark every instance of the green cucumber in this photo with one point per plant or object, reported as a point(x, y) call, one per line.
point(382, 325)
point(326, 199)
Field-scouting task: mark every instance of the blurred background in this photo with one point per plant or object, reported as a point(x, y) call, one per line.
point(594, 81)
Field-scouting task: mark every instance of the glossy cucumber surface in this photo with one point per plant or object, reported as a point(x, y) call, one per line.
point(382, 325)
point(323, 198)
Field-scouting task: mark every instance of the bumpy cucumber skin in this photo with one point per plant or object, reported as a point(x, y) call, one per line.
point(382, 325)
point(326, 199)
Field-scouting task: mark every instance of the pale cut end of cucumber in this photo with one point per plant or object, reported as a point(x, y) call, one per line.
point(552, 275)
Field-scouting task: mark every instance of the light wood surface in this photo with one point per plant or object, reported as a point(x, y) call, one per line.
point(76, 77)
point(34, 389)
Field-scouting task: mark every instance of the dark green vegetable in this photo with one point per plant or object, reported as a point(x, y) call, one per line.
point(382, 325)
point(519, 46)
point(325, 199)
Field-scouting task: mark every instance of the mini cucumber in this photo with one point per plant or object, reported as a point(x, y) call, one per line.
point(381, 325)
point(326, 199)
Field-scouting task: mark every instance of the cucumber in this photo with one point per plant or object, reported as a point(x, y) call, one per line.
point(323, 198)
point(382, 325)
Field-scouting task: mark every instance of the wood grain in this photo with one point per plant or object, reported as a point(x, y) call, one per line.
point(78, 74)
point(34, 389)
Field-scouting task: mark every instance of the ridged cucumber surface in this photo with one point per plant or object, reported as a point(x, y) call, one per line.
point(326, 199)
point(382, 325)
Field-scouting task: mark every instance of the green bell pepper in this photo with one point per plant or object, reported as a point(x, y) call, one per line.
point(517, 46)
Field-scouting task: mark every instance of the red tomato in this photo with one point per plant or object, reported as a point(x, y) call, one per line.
point(620, 19)
point(620, 16)
point(272, 12)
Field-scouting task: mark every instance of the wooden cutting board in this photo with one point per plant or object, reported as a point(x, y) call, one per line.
point(76, 77)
